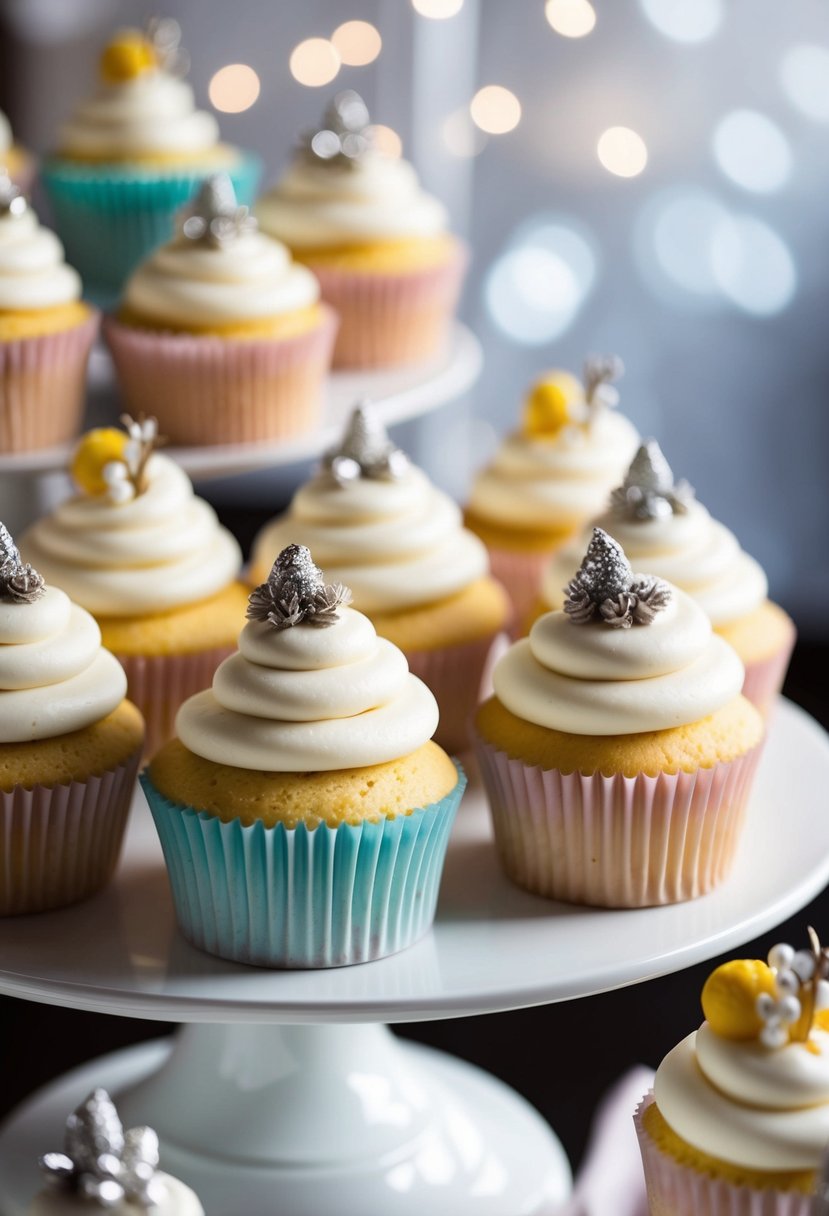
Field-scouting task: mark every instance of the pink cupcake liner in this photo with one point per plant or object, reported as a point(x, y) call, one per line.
point(60, 844)
point(160, 684)
point(680, 1190)
point(616, 842)
point(764, 679)
point(208, 390)
point(43, 387)
point(521, 575)
point(388, 319)
point(455, 675)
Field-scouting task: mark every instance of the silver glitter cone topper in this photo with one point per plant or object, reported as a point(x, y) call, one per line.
point(345, 136)
point(599, 391)
point(606, 589)
point(649, 490)
point(365, 450)
point(214, 218)
point(165, 35)
point(19, 582)
point(295, 593)
point(103, 1164)
point(13, 202)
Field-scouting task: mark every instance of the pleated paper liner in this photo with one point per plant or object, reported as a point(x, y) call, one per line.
point(299, 897)
point(764, 679)
point(160, 684)
point(455, 675)
point(521, 574)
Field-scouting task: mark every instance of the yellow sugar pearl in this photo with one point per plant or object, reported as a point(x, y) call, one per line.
point(128, 55)
point(547, 408)
point(729, 998)
point(96, 450)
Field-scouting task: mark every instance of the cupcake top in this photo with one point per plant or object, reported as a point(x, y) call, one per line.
point(142, 107)
point(219, 269)
point(104, 1168)
point(33, 273)
point(312, 687)
point(55, 677)
point(341, 189)
point(136, 539)
point(751, 1086)
point(375, 522)
point(556, 470)
point(629, 653)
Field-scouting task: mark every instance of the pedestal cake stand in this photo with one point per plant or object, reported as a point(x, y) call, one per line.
point(284, 1092)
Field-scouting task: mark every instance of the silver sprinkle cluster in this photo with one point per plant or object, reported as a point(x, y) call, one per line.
point(345, 135)
point(649, 490)
point(19, 582)
point(165, 35)
point(214, 218)
point(606, 589)
point(296, 593)
point(365, 450)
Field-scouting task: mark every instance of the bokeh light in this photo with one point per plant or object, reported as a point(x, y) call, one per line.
point(752, 151)
point(571, 18)
point(495, 109)
point(314, 62)
point(684, 20)
point(753, 265)
point(438, 10)
point(804, 75)
point(387, 141)
point(460, 135)
point(357, 43)
point(233, 88)
point(622, 151)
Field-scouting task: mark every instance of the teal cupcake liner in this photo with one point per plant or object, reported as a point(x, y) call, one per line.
point(300, 897)
point(109, 218)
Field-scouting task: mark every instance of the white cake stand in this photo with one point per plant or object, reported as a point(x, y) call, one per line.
point(284, 1094)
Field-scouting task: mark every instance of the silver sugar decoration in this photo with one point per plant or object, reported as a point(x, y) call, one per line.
point(296, 593)
point(605, 588)
point(19, 582)
point(649, 490)
point(365, 450)
point(345, 135)
point(165, 35)
point(214, 218)
point(103, 1164)
point(13, 202)
point(599, 391)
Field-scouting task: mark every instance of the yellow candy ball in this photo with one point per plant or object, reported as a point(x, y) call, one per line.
point(97, 449)
point(729, 998)
point(548, 405)
point(128, 55)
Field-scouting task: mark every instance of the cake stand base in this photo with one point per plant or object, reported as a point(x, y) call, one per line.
point(300, 1120)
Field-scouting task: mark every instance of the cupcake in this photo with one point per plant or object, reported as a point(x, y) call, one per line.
point(18, 163)
point(550, 476)
point(46, 332)
point(378, 244)
point(376, 523)
point(149, 560)
point(69, 745)
point(220, 333)
point(618, 752)
point(105, 1168)
point(132, 154)
point(663, 529)
point(738, 1120)
point(303, 811)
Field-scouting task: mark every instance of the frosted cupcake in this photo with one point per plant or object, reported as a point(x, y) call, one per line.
point(105, 1168)
point(738, 1120)
point(69, 745)
point(149, 560)
point(219, 333)
point(617, 751)
point(303, 811)
point(550, 476)
point(45, 332)
point(378, 244)
point(376, 523)
point(663, 529)
point(17, 162)
point(132, 154)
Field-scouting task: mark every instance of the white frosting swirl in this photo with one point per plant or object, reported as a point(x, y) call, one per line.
point(555, 483)
point(248, 278)
point(55, 677)
point(154, 113)
point(691, 550)
point(318, 206)
point(306, 699)
point(742, 1103)
point(163, 549)
point(595, 680)
point(396, 544)
point(33, 273)
point(178, 1200)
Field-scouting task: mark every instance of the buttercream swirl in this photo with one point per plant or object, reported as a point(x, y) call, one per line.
point(691, 550)
point(176, 1199)
point(591, 680)
point(159, 551)
point(396, 543)
point(376, 199)
point(558, 482)
point(55, 677)
point(33, 273)
point(305, 699)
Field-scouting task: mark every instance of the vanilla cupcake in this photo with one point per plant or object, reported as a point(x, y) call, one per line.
point(132, 154)
point(617, 751)
point(69, 745)
point(376, 523)
point(663, 529)
point(303, 812)
point(551, 475)
point(377, 242)
point(46, 332)
point(738, 1121)
point(17, 162)
point(149, 560)
point(219, 333)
